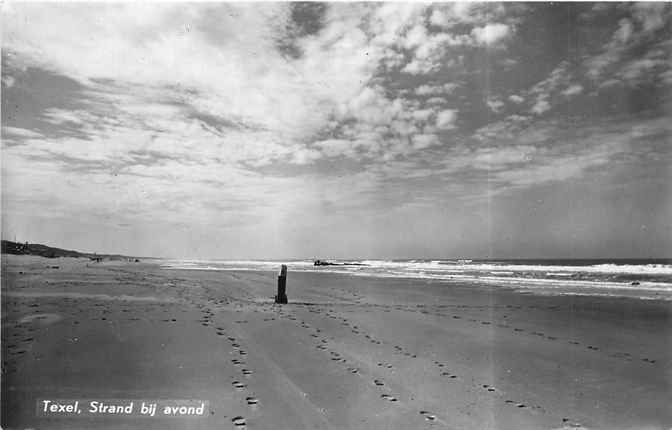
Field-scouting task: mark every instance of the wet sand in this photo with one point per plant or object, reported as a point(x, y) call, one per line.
point(347, 352)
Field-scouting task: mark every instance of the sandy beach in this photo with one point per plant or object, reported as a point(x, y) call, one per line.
point(347, 352)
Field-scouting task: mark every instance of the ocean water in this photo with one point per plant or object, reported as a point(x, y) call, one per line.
point(640, 278)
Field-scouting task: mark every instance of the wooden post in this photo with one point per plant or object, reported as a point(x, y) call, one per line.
point(282, 286)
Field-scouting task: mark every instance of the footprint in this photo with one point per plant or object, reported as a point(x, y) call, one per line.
point(428, 416)
point(388, 397)
point(238, 385)
point(252, 400)
point(378, 382)
point(246, 372)
point(238, 421)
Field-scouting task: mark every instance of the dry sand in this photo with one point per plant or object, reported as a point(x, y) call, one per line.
point(346, 353)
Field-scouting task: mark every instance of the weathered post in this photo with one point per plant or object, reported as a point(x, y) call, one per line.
point(282, 286)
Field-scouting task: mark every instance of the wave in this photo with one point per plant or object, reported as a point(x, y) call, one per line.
point(651, 278)
point(434, 266)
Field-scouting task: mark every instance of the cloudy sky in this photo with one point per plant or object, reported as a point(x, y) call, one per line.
point(282, 130)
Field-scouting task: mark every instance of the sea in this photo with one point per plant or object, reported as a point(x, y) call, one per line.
point(647, 279)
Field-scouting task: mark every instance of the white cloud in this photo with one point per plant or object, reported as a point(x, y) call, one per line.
point(447, 15)
point(422, 141)
point(624, 31)
point(426, 90)
point(422, 114)
point(640, 68)
point(8, 81)
point(446, 119)
point(646, 20)
point(650, 14)
point(545, 90)
point(436, 100)
point(430, 51)
point(8, 131)
point(497, 158)
point(491, 34)
point(542, 105)
point(495, 104)
point(573, 90)
point(439, 18)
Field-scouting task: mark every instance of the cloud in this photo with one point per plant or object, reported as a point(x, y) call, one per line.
point(495, 104)
point(573, 90)
point(625, 30)
point(545, 90)
point(639, 34)
point(9, 132)
point(518, 153)
point(221, 115)
point(500, 158)
point(541, 106)
point(491, 34)
point(433, 90)
point(430, 50)
point(8, 81)
point(651, 15)
point(445, 119)
point(421, 141)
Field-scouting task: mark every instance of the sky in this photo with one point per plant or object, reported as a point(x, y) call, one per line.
point(339, 130)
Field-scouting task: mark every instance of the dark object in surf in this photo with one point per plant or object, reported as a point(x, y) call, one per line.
point(635, 283)
point(281, 297)
point(323, 263)
point(328, 263)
